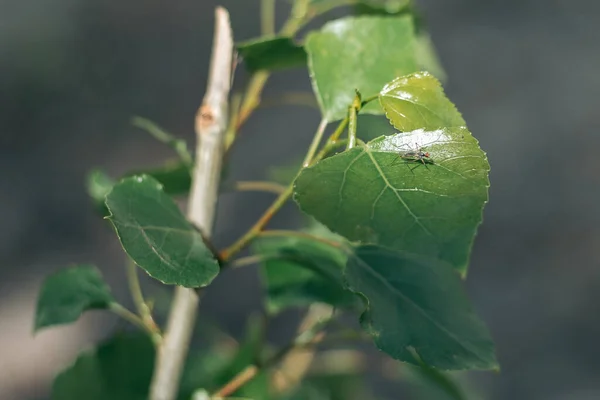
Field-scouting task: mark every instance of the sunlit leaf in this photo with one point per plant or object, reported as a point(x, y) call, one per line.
point(417, 304)
point(65, 295)
point(272, 53)
point(156, 235)
point(361, 53)
point(372, 195)
point(418, 101)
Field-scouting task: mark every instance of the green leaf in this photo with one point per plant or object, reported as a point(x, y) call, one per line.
point(418, 101)
point(299, 271)
point(370, 194)
point(120, 369)
point(156, 235)
point(417, 305)
point(361, 53)
point(65, 295)
point(178, 145)
point(174, 176)
point(274, 53)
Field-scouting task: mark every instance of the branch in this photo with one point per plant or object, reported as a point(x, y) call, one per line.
point(211, 123)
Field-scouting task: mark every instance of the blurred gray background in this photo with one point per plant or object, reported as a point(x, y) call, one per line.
point(523, 72)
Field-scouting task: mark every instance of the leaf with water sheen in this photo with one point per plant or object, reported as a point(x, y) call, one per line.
point(157, 236)
point(65, 295)
point(418, 101)
point(299, 271)
point(361, 53)
point(418, 304)
point(275, 53)
point(370, 194)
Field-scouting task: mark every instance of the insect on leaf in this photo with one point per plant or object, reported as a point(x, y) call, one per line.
point(370, 194)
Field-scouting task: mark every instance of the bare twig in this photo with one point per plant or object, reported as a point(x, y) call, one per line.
point(211, 123)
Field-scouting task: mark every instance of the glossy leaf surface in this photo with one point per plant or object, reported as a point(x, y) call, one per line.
point(372, 195)
point(274, 53)
point(418, 101)
point(361, 53)
point(65, 295)
point(415, 304)
point(157, 236)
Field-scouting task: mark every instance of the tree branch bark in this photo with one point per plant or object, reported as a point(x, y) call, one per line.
point(210, 126)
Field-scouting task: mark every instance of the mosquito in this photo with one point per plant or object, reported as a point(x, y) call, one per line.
point(415, 155)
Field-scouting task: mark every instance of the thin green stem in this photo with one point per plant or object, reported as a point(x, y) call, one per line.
point(138, 298)
point(315, 143)
point(289, 233)
point(161, 135)
point(368, 100)
point(260, 186)
point(338, 131)
point(230, 251)
point(277, 204)
point(251, 98)
point(248, 260)
point(267, 17)
point(353, 115)
point(134, 319)
point(298, 18)
point(235, 105)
